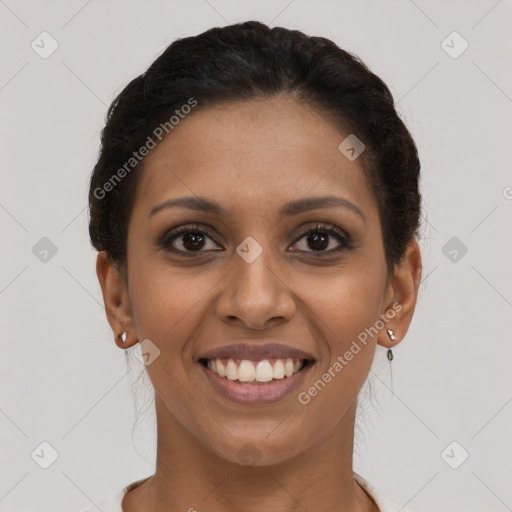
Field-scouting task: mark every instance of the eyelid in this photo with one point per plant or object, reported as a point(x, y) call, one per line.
point(328, 228)
point(331, 230)
point(168, 236)
point(322, 226)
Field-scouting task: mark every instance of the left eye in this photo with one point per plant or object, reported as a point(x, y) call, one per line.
point(318, 237)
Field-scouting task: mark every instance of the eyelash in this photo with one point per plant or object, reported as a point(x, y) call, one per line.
point(327, 229)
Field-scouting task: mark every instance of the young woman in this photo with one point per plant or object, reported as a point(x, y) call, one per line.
point(256, 210)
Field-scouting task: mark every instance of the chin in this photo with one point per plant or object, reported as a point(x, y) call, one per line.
point(256, 450)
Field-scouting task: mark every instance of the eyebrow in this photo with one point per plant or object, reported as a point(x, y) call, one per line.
point(202, 204)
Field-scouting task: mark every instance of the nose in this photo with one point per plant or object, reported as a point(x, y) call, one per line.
point(254, 295)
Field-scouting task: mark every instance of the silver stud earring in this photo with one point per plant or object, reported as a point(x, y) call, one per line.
point(123, 336)
point(391, 334)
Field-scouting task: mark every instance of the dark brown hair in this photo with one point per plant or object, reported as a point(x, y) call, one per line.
point(248, 61)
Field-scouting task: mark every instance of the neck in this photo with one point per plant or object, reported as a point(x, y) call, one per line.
point(188, 476)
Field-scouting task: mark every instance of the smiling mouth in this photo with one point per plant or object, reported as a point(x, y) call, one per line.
point(260, 372)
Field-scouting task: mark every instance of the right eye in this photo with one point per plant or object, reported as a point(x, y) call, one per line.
point(187, 239)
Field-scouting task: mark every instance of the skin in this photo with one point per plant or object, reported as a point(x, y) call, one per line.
point(253, 157)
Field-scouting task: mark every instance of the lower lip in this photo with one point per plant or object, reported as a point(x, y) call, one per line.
point(256, 393)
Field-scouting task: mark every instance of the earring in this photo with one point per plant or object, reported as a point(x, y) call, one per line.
point(122, 336)
point(391, 334)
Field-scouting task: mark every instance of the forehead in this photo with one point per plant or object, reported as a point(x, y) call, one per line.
point(257, 153)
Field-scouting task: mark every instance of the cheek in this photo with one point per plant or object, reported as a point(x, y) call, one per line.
point(345, 303)
point(168, 307)
point(168, 310)
point(344, 315)
point(349, 315)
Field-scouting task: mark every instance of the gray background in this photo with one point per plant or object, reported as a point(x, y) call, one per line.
point(62, 379)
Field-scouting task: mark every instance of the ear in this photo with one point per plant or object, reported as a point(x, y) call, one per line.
point(401, 296)
point(116, 299)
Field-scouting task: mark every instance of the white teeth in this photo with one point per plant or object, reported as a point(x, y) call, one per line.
point(220, 368)
point(231, 370)
point(288, 368)
point(263, 371)
point(278, 372)
point(248, 372)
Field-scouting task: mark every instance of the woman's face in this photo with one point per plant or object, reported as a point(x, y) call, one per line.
point(254, 276)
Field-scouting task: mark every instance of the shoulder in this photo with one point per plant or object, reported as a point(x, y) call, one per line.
point(384, 504)
point(113, 503)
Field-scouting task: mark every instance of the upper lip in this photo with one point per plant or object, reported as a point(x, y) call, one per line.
point(255, 351)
